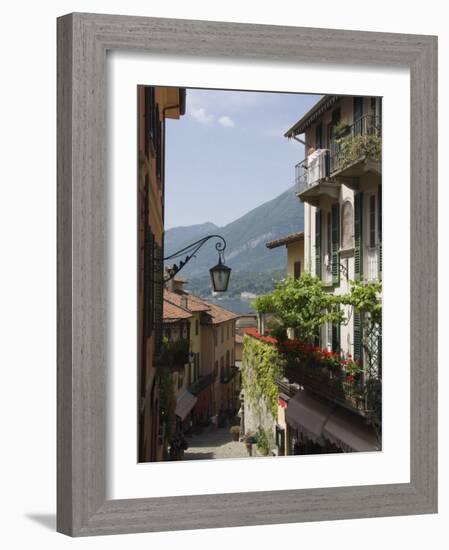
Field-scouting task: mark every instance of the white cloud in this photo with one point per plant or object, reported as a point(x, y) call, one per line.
point(226, 121)
point(201, 115)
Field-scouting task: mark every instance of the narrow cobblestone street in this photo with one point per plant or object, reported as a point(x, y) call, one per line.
point(214, 444)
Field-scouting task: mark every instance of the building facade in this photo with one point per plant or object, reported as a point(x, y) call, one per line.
point(340, 183)
point(155, 105)
point(321, 406)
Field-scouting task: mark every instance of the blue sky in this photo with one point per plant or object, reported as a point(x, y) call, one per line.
point(227, 154)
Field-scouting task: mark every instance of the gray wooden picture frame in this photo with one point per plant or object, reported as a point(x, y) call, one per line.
point(83, 40)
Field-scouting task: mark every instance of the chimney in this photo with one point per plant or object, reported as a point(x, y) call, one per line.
point(184, 301)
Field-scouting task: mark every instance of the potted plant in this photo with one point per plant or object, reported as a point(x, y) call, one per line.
point(249, 440)
point(341, 129)
point(235, 432)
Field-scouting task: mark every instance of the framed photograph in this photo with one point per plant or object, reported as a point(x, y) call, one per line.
point(247, 274)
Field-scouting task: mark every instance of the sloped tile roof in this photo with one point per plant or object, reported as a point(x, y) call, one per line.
point(286, 239)
point(173, 313)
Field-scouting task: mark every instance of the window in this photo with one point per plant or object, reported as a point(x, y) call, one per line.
point(227, 331)
point(222, 334)
point(358, 114)
point(335, 243)
point(330, 127)
point(196, 327)
point(297, 269)
point(215, 336)
point(216, 368)
point(372, 221)
point(158, 278)
point(358, 228)
point(318, 243)
point(329, 235)
point(148, 276)
point(347, 224)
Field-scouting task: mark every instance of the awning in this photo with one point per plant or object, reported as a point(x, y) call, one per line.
point(318, 418)
point(308, 414)
point(350, 432)
point(184, 404)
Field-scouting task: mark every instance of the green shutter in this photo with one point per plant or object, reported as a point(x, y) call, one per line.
point(379, 228)
point(358, 230)
point(357, 336)
point(335, 243)
point(318, 243)
point(335, 337)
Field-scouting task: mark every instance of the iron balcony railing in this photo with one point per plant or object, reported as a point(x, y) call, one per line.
point(332, 385)
point(311, 170)
point(356, 140)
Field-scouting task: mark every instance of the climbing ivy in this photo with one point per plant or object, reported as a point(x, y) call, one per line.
point(264, 441)
point(263, 366)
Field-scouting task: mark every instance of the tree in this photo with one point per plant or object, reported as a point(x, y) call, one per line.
point(301, 304)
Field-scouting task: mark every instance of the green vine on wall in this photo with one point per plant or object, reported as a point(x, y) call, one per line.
point(263, 367)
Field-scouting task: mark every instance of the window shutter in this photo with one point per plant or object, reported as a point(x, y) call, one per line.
point(357, 336)
point(148, 281)
point(335, 337)
point(158, 144)
point(318, 243)
point(372, 221)
point(158, 295)
point(297, 269)
point(358, 225)
point(335, 243)
point(379, 228)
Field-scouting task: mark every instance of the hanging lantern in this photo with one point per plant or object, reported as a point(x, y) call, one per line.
point(219, 275)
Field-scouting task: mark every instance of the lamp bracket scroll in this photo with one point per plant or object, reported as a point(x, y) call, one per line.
point(190, 251)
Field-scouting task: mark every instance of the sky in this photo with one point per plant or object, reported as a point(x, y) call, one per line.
point(227, 154)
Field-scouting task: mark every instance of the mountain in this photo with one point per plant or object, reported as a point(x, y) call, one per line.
point(245, 237)
point(175, 237)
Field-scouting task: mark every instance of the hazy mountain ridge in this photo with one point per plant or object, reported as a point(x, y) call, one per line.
point(245, 237)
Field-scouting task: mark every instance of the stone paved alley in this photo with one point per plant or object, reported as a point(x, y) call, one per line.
point(214, 444)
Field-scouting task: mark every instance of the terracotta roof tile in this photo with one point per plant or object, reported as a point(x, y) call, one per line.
point(286, 239)
point(212, 314)
point(186, 301)
point(172, 312)
point(217, 315)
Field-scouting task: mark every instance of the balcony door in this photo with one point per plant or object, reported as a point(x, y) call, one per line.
point(358, 114)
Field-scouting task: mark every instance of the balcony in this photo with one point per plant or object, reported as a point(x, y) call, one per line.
point(330, 384)
point(173, 355)
point(202, 383)
point(312, 178)
point(356, 150)
point(228, 376)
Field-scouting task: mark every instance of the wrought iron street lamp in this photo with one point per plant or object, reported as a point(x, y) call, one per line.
point(219, 274)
